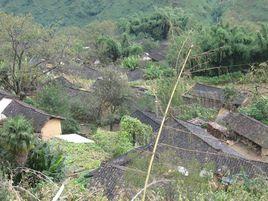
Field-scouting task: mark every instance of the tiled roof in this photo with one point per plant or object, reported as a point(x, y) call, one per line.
point(213, 93)
point(16, 108)
point(248, 127)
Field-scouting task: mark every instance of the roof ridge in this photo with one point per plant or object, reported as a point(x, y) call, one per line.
point(207, 85)
point(36, 109)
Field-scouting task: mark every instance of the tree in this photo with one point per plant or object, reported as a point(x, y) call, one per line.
point(54, 100)
point(228, 45)
point(26, 48)
point(111, 92)
point(157, 24)
point(137, 132)
point(17, 137)
point(261, 51)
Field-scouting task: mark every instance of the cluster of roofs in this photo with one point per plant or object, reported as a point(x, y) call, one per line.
point(231, 126)
point(233, 140)
point(45, 125)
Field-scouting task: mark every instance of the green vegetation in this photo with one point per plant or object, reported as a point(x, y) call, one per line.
point(82, 12)
point(188, 112)
point(136, 132)
point(108, 49)
point(230, 94)
point(47, 159)
point(220, 49)
point(131, 62)
point(222, 79)
point(229, 41)
point(132, 133)
point(154, 71)
point(163, 90)
point(113, 142)
point(17, 139)
point(156, 25)
point(258, 109)
point(54, 100)
point(90, 155)
point(111, 94)
point(21, 39)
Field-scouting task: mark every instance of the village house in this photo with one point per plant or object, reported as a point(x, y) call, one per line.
point(211, 97)
point(249, 131)
point(181, 145)
point(45, 125)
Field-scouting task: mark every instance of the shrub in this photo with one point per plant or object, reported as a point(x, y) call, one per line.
point(115, 143)
point(146, 102)
point(47, 159)
point(230, 48)
point(258, 74)
point(106, 140)
point(17, 138)
point(231, 45)
point(154, 71)
point(137, 132)
point(108, 49)
point(122, 144)
point(131, 62)
point(133, 50)
point(70, 125)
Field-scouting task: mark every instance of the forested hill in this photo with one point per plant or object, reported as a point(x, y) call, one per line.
point(81, 12)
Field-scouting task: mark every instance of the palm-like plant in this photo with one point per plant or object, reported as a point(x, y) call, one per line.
point(17, 138)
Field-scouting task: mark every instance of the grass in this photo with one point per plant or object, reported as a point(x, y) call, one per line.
point(82, 156)
point(188, 112)
point(79, 157)
point(222, 79)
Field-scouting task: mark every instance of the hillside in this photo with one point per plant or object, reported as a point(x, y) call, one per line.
point(247, 11)
point(81, 12)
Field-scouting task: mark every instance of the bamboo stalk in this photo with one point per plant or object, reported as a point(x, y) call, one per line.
point(162, 125)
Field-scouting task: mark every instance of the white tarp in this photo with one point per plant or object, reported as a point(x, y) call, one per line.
point(74, 138)
point(4, 103)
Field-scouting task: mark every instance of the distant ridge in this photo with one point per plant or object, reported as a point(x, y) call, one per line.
point(82, 12)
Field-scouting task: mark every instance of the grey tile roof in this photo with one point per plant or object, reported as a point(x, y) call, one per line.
point(159, 54)
point(213, 93)
point(36, 116)
point(209, 139)
point(248, 127)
